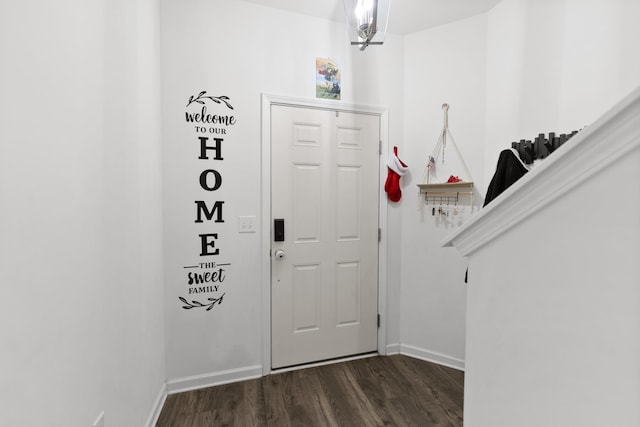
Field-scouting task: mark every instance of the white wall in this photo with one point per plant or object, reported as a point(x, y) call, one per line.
point(554, 303)
point(80, 194)
point(556, 66)
point(241, 50)
point(545, 342)
point(442, 65)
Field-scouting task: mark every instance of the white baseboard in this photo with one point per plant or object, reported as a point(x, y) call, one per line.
point(215, 378)
point(393, 349)
point(432, 356)
point(152, 419)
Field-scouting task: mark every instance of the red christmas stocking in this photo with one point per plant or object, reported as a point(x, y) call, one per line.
point(396, 168)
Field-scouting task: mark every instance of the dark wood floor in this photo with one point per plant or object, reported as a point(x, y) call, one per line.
point(377, 391)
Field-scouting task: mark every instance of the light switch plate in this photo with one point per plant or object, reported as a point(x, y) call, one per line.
point(247, 224)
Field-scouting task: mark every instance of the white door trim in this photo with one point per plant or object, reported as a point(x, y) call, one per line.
point(265, 214)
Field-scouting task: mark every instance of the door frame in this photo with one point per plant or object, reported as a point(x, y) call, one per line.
point(267, 100)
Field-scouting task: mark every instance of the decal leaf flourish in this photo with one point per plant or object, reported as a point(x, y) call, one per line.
point(217, 99)
point(197, 304)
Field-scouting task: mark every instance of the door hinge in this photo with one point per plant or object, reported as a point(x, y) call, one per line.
point(379, 235)
point(378, 320)
point(380, 148)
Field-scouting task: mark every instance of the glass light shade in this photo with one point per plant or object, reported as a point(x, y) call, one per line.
point(366, 21)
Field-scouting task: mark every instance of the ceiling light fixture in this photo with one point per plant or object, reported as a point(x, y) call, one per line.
point(366, 21)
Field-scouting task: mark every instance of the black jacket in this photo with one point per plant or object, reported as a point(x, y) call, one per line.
point(509, 169)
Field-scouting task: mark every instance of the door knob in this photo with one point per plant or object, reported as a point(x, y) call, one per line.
point(280, 254)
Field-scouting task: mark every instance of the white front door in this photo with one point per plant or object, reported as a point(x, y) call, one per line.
point(324, 188)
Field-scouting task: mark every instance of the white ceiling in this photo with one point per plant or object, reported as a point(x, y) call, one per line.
point(405, 16)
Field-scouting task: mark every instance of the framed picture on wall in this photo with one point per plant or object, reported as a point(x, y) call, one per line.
point(327, 79)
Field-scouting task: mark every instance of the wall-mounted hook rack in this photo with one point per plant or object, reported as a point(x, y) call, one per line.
point(541, 147)
point(447, 193)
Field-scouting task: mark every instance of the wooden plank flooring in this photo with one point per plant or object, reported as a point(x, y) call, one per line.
point(377, 391)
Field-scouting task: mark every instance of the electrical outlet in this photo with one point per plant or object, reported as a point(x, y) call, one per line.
point(246, 224)
point(99, 422)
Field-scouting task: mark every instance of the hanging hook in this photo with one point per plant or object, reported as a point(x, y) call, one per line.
point(445, 127)
point(445, 108)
